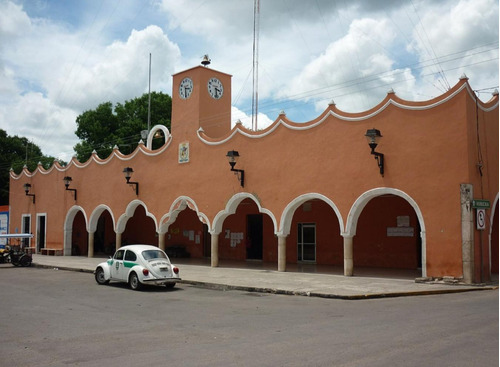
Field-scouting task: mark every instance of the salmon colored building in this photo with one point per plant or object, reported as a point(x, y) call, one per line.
point(300, 193)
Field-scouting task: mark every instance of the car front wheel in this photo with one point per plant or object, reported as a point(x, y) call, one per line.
point(100, 278)
point(134, 282)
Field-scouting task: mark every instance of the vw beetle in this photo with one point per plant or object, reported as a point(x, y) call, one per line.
point(138, 265)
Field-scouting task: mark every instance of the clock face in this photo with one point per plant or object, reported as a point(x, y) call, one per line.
point(185, 88)
point(215, 88)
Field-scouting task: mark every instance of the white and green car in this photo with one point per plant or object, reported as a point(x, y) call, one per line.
point(138, 265)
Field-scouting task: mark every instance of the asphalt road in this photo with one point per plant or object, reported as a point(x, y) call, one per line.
point(63, 318)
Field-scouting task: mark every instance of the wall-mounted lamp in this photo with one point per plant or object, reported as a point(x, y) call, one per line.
point(373, 136)
point(27, 188)
point(232, 157)
point(127, 171)
point(67, 180)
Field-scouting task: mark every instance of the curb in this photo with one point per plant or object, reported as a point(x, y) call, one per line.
point(228, 287)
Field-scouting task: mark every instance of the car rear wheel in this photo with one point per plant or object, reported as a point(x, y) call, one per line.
point(134, 282)
point(100, 278)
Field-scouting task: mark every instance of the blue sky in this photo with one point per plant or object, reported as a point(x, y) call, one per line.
point(59, 58)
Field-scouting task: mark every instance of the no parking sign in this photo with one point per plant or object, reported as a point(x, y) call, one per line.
point(480, 205)
point(481, 219)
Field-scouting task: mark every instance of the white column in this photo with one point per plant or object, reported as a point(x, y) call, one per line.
point(348, 259)
point(282, 252)
point(118, 241)
point(161, 241)
point(90, 252)
point(466, 196)
point(215, 250)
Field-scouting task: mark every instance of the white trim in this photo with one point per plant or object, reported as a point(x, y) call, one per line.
point(96, 214)
point(179, 204)
point(121, 224)
point(22, 224)
point(152, 132)
point(94, 158)
point(363, 199)
point(288, 212)
point(250, 134)
point(38, 216)
point(231, 207)
point(68, 227)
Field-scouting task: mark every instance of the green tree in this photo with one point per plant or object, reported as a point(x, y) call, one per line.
point(15, 153)
point(103, 128)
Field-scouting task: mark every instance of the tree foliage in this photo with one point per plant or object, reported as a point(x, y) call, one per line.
point(103, 128)
point(15, 153)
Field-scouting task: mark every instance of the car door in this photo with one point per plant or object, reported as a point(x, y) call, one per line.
point(117, 268)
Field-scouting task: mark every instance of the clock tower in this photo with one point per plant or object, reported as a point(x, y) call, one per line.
point(201, 97)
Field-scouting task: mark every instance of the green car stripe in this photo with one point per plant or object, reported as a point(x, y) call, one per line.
point(129, 264)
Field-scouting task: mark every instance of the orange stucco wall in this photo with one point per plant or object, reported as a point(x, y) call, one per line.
point(430, 149)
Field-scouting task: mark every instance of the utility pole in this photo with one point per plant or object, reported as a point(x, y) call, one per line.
point(255, 94)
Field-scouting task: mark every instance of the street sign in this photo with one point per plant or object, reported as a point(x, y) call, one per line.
point(481, 219)
point(480, 204)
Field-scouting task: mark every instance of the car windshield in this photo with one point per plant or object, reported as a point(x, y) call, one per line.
point(153, 254)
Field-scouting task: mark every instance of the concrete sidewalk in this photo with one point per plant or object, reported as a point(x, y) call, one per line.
point(290, 283)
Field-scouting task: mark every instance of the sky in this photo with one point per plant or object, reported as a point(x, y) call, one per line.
point(60, 58)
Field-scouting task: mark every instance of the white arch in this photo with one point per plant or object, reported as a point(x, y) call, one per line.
point(129, 213)
point(287, 215)
point(231, 207)
point(360, 203)
point(68, 227)
point(96, 214)
point(179, 204)
point(154, 129)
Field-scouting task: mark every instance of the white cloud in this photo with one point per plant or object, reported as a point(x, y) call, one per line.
point(459, 40)
point(57, 61)
point(246, 120)
point(47, 125)
point(121, 73)
point(352, 71)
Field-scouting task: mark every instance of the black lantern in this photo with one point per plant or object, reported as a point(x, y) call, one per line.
point(27, 188)
point(232, 157)
point(67, 181)
point(127, 172)
point(373, 136)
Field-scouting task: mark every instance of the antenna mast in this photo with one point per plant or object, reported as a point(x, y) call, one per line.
point(149, 97)
point(255, 95)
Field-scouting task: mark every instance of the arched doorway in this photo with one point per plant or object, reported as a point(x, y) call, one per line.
point(315, 235)
point(310, 233)
point(79, 236)
point(104, 237)
point(248, 234)
point(187, 236)
point(387, 234)
point(137, 226)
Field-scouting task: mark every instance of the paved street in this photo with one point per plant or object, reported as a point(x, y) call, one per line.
point(60, 318)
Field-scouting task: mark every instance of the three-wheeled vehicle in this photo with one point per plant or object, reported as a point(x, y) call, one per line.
point(15, 254)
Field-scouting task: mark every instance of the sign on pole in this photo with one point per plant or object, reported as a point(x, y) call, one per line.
point(481, 219)
point(480, 204)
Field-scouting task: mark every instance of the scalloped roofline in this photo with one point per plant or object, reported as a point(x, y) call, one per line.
point(332, 110)
point(94, 158)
